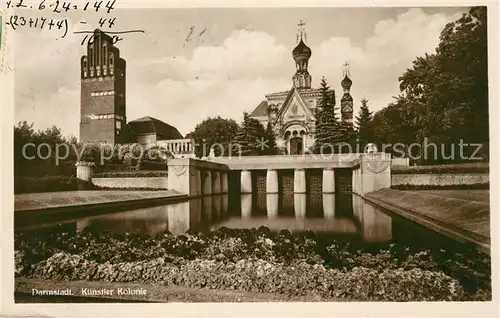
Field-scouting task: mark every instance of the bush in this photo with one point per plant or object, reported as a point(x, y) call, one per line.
point(131, 174)
point(299, 279)
point(50, 184)
point(480, 167)
point(258, 260)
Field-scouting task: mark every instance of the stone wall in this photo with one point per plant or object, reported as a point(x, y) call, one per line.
point(124, 183)
point(439, 179)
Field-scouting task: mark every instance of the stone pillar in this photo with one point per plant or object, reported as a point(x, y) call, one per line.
point(246, 181)
point(329, 205)
point(216, 182)
point(272, 205)
point(216, 203)
point(224, 182)
point(207, 183)
point(375, 172)
point(328, 180)
point(207, 207)
point(195, 183)
point(84, 171)
point(299, 181)
point(272, 181)
point(246, 206)
point(299, 204)
point(178, 217)
point(353, 182)
point(225, 204)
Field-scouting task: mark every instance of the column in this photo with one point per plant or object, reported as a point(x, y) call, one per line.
point(299, 181)
point(207, 183)
point(272, 181)
point(195, 183)
point(353, 181)
point(224, 182)
point(375, 172)
point(246, 181)
point(84, 172)
point(216, 182)
point(328, 180)
point(272, 205)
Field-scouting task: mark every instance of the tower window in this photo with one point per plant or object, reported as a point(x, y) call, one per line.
point(118, 125)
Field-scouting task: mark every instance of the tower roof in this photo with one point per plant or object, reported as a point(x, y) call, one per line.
point(346, 82)
point(301, 51)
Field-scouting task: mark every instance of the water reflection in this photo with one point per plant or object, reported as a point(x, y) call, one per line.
point(333, 213)
point(272, 200)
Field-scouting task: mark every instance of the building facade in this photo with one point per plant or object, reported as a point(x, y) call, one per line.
point(103, 109)
point(292, 113)
point(103, 115)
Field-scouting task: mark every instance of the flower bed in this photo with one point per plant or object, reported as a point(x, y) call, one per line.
point(258, 261)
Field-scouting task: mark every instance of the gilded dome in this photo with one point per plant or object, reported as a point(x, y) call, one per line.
point(301, 51)
point(346, 82)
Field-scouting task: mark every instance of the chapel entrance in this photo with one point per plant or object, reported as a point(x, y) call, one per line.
point(296, 145)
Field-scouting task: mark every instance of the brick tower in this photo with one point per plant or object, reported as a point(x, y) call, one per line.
point(103, 111)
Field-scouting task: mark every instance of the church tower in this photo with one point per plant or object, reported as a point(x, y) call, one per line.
point(102, 107)
point(301, 54)
point(346, 104)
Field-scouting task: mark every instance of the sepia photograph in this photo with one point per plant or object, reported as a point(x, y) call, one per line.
point(246, 154)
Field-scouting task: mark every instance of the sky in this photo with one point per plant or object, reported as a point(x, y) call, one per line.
point(191, 64)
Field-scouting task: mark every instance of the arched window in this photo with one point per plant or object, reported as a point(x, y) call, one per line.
point(301, 81)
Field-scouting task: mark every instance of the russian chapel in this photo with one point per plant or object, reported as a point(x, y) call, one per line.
point(292, 112)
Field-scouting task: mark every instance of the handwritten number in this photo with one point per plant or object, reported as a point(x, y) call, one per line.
point(22, 21)
point(41, 6)
point(111, 22)
point(110, 5)
point(85, 8)
point(57, 5)
point(36, 22)
point(101, 22)
point(20, 4)
point(8, 4)
point(51, 24)
point(115, 39)
point(66, 6)
point(97, 5)
point(13, 21)
point(43, 22)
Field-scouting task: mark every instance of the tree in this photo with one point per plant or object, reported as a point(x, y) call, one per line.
point(271, 146)
point(251, 137)
point(214, 132)
point(364, 123)
point(448, 91)
point(328, 135)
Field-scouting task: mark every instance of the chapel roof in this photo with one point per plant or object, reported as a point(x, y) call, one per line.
point(260, 110)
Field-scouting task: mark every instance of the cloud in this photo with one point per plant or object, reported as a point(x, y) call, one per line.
point(224, 79)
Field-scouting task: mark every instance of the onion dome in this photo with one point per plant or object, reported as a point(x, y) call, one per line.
point(346, 82)
point(301, 51)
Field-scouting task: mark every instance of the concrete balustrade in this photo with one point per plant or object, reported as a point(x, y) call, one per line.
point(246, 181)
point(371, 172)
point(299, 181)
point(216, 182)
point(272, 181)
point(194, 177)
point(328, 180)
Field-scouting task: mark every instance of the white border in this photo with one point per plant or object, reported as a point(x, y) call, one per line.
point(486, 309)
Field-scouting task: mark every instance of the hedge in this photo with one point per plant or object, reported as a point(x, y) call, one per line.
point(480, 167)
point(50, 184)
point(131, 174)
